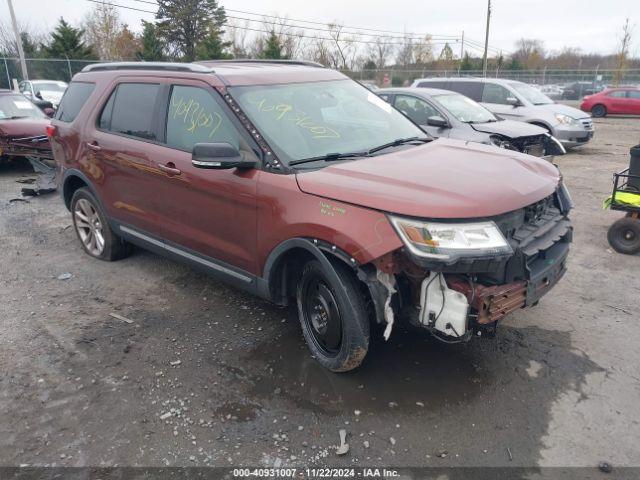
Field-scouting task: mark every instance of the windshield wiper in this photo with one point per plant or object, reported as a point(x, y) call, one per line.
point(399, 141)
point(15, 117)
point(330, 157)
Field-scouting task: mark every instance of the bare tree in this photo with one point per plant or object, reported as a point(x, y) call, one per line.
point(237, 35)
point(423, 51)
point(622, 53)
point(381, 50)
point(530, 53)
point(31, 39)
point(405, 54)
point(343, 46)
point(102, 28)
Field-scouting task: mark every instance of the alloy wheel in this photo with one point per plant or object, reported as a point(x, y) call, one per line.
point(89, 227)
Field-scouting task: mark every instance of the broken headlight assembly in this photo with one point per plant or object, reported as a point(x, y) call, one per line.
point(449, 242)
point(501, 142)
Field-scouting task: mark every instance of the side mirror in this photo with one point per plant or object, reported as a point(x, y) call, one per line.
point(49, 112)
point(218, 156)
point(39, 95)
point(437, 121)
point(513, 101)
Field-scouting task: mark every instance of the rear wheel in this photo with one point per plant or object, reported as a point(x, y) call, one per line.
point(93, 230)
point(333, 316)
point(624, 236)
point(598, 111)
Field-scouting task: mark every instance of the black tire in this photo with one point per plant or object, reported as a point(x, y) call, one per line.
point(113, 247)
point(333, 316)
point(599, 111)
point(624, 236)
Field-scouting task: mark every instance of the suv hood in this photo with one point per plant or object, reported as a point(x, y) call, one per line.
point(565, 110)
point(441, 179)
point(509, 128)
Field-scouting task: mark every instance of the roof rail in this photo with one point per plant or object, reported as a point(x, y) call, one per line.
point(170, 66)
point(265, 61)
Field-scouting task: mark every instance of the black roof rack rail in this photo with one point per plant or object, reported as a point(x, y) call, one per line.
point(264, 61)
point(169, 66)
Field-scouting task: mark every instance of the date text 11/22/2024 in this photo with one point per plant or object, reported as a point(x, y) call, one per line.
point(310, 473)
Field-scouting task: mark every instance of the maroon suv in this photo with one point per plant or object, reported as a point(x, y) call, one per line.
point(299, 185)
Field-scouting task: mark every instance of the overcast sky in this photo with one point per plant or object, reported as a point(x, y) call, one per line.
point(594, 26)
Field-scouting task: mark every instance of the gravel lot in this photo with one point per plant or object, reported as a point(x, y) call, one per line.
point(207, 375)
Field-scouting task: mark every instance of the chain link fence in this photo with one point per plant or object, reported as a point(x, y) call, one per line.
point(39, 68)
point(64, 69)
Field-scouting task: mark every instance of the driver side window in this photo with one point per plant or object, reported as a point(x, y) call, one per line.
point(493, 93)
point(415, 108)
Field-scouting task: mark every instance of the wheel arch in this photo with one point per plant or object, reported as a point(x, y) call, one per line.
point(286, 259)
point(73, 180)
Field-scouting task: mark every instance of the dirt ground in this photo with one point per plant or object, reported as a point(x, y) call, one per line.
point(207, 375)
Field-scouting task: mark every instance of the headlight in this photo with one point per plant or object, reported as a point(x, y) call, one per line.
point(565, 119)
point(448, 242)
point(501, 142)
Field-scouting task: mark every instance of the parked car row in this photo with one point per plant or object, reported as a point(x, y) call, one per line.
point(514, 100)
point(444, 113)
point(297, 184)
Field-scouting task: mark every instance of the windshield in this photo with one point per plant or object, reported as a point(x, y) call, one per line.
point(16, 106)
point(49, 86)
point(314, 119)
point(531, 94)
point(465, 109)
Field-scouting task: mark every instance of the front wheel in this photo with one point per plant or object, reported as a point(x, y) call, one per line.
point(624, 236)
point(333, 316)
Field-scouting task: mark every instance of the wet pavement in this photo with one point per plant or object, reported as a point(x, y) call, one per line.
point(204, 374)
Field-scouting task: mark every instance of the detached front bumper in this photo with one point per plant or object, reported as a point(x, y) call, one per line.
point(574, 135)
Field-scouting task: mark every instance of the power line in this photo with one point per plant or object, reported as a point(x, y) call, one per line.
point(311, 22)
point(296, 35)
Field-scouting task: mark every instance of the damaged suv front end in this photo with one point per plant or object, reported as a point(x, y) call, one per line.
point(458, 279)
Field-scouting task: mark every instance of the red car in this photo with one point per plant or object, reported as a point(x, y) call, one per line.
point(22, 128)
point(301, 186)
point(622, 100)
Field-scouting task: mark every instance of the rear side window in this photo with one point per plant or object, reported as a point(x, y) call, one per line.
point(634, 94)
point(74, 98)
point(494, 93)
point(473, 90)
point(130, 110)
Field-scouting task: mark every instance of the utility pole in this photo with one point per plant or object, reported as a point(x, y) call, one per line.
point(462, 46)
point(486, 40)
point(23, 63)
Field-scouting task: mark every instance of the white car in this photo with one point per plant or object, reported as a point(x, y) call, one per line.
point(49, 90)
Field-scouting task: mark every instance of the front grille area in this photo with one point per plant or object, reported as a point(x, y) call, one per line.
point(587, 123)
point(540, 235)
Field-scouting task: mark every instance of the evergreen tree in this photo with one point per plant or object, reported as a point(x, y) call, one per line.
point(212, 46)
point(66, 41)
point(466, 62)
point(152, 48)
point(272, 47)
point(446, 53)
point(30, 47)
point(182, 24)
